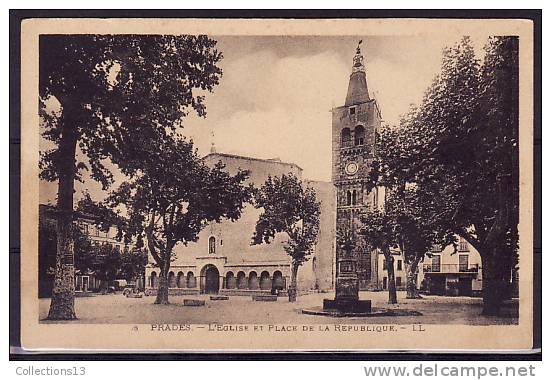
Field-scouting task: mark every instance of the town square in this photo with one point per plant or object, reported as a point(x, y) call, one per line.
point(243, 311)
point(284, 180)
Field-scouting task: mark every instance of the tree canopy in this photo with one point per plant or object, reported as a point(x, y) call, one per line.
point(116, 90)
point(171, 199)
point(288, 207)
point(471, 116)
point(110, 95)
point(452, 165)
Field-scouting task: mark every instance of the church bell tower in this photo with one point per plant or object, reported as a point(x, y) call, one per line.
point(354, 127)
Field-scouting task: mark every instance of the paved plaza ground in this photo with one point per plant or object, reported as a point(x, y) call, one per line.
point(116, 308)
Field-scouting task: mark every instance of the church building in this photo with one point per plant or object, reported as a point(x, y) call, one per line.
point(223, 261)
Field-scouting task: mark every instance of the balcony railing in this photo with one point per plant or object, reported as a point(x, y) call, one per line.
point(451, 268)
point(357, 149)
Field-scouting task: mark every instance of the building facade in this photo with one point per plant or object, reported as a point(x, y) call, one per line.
point(399, 271)
point(223, 259)
point(442, 272)
point(451, 273)
point(354, 129)
point(86, 280)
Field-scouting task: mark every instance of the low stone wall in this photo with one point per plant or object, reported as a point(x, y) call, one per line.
point(245, 292)
point(85, 294)
point(224, 292)
point(219, 298)
point(265, 298)
point(174, 291)
point(191, 302)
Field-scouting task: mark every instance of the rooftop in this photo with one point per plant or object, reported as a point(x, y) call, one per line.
point(268, 160)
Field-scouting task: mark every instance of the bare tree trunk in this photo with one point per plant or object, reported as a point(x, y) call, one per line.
point(494, 284)
point(293, 288)
point(162, 292)
point(494, 258)
point(411, 279)
point(62, 306)
point(392, 297)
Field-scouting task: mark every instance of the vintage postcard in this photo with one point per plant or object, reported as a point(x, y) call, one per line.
point(276, 184)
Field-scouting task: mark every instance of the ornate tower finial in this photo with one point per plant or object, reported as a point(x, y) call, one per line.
point(358, 60)
point(353, 135)
point(357, 87)
point(212, 147)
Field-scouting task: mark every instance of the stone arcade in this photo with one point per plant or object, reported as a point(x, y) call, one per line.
point(224, 262)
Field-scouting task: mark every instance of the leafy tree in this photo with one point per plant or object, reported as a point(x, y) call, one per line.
point(494, 230)
point(470, 118)
point(107, 263)
point(417, 211)
point(170, 200)
point(419, 225)
point(379, 231)
point(114, 93)
point(288, 207)
point(85, 250)
point(133, 262)
point(408, 223)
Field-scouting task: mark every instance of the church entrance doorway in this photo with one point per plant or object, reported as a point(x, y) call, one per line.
point(211, 280)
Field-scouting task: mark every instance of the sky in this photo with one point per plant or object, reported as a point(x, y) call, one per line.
point(275, 96)
point(276, 93)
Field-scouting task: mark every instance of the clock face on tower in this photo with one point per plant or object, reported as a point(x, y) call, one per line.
point(351, 168)
point(353, 131)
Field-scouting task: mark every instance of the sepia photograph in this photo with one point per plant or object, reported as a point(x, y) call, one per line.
point(277, 184)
